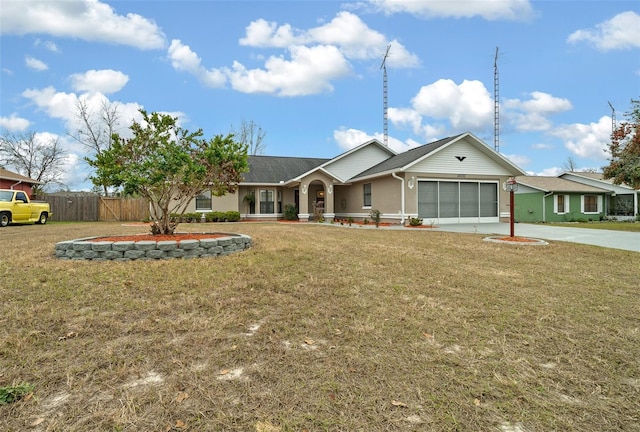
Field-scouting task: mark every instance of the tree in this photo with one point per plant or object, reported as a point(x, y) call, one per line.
point(251, 135)
point(624, 164)
point(170, 166)
point(570, 165)
point(34, 157)
point(95, 131)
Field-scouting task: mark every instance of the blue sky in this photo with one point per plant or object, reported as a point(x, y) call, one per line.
point(308, 72)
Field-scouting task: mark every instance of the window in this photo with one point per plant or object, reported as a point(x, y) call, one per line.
point(367, 195)
point(591, 203)
point(20, 196)
point(561, 204)
point(203, 201)
point(266, 201)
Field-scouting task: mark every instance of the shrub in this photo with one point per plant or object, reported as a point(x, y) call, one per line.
point(375, 216)
point(191, 217)
point(232, 216)
point(349, 220)
point(290, 212)
point(415, 221)
point(214, 216)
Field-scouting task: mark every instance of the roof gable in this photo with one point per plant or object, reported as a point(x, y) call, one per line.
point(426, 159)
point(278, 169)
point(360, 158)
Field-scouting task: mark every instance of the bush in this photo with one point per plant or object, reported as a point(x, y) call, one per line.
point(415, 221)
point(375, 217)
point(290, 212)
point(215, 217)
point(191, 217)
point(232, 216)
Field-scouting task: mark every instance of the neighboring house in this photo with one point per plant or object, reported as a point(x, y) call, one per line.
point(15, 181)
point(553, 199)
point(452, 180)
point(622, 203)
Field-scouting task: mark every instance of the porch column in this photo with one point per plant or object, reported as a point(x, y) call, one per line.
point(303, 215)
point(329, 205)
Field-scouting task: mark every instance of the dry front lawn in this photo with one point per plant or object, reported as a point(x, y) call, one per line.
point(320, 328)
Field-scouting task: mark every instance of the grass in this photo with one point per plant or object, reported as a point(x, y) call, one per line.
point(605, 225)
point(321, 328)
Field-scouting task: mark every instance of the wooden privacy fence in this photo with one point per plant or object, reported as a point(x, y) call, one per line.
point(123, 209)
point(91, 208)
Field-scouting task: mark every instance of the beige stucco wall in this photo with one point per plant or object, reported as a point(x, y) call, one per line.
point(309, 187)
point(385, 196)
point(228, 202)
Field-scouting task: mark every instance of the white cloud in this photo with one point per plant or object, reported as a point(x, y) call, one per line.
point(490, 10)
point(542, 103)
point(586, 140)
point(351, 138)
point(346, 31)
point(104, 81)
point(35, 64)
point(531, 115)
point(620, 32)
point(55, 104)
point(63, 106)
point(309, 71)
point(542, 146)
point(316, 57)
point(14, 123)
point(547, 172)
point(49, 45)
point(467, 106)
point(519, 160)
point(184, 59)
point(262, 34)
point(89, 20)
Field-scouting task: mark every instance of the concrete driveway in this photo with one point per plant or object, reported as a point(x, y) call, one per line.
point(629, 241)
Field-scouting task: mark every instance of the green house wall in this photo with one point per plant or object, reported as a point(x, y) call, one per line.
point(529, 208)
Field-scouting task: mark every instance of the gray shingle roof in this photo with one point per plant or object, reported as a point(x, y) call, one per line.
point(555, 184)
point(274, 169)
point(404, 159)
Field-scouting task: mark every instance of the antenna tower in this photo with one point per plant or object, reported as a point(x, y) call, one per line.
point(613, 117)
point(496, 104)
point(385, 118)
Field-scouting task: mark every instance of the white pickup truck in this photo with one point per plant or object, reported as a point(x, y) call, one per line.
point(15, 207)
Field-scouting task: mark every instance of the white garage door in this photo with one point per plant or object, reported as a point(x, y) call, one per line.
point(457, 201)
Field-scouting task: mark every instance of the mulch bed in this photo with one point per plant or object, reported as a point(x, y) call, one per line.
point(517, 239)
point(159, 237)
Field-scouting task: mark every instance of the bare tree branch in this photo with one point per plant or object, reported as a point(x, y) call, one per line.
point(40, 160)
point(251, 135)
point(97, 128)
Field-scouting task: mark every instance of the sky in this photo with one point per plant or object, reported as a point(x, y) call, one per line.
point(310, 74)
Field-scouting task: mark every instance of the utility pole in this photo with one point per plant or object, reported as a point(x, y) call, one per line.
point(613, 118)
point(496, 104)
point(385, 118)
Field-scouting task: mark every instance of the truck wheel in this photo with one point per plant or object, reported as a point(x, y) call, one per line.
point(4, 219)
point(43, 219)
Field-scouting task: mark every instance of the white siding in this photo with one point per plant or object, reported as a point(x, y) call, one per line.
point(475, 162)
point(357, 162)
